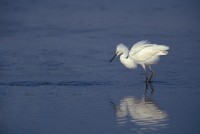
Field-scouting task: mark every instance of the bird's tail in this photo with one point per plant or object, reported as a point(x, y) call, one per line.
point(163, 53)
point(163, 50)
point(163, 47)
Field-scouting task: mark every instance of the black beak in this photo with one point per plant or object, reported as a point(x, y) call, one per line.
point(113, 58)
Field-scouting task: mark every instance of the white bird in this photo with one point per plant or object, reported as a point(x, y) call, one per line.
point(143, 53)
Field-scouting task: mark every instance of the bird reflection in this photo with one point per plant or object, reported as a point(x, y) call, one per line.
point(144, 112)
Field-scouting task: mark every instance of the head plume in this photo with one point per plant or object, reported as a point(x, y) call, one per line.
point(121, 48)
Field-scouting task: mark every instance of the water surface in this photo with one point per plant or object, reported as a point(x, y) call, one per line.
point(55, 76)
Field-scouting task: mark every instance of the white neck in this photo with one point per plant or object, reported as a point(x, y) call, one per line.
point(126, 61)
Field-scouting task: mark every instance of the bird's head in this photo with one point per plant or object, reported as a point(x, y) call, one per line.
point(121, 48)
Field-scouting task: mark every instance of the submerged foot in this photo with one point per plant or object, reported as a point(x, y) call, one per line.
point(147, 80)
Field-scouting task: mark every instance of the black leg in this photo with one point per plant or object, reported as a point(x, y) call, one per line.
point(146, 97)
point(145, 72)
point(152, 73)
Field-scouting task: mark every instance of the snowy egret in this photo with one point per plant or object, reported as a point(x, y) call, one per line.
point(143, 53)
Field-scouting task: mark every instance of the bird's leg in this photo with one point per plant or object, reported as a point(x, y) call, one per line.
point(145, 72)
point(152, 89)
point(152, 73)
point(146, 97)
point(146, 77)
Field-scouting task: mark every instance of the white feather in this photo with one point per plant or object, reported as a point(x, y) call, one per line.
point(147, 53)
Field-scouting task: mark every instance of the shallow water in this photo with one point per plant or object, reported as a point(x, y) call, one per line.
point(55, 76)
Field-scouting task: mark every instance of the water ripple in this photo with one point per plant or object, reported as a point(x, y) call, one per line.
point(47, 83)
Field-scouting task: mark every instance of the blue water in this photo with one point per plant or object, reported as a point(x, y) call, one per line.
point(55, 76)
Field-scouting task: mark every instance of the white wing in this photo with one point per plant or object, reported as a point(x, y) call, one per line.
point(150, 51)
point(138, 47)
